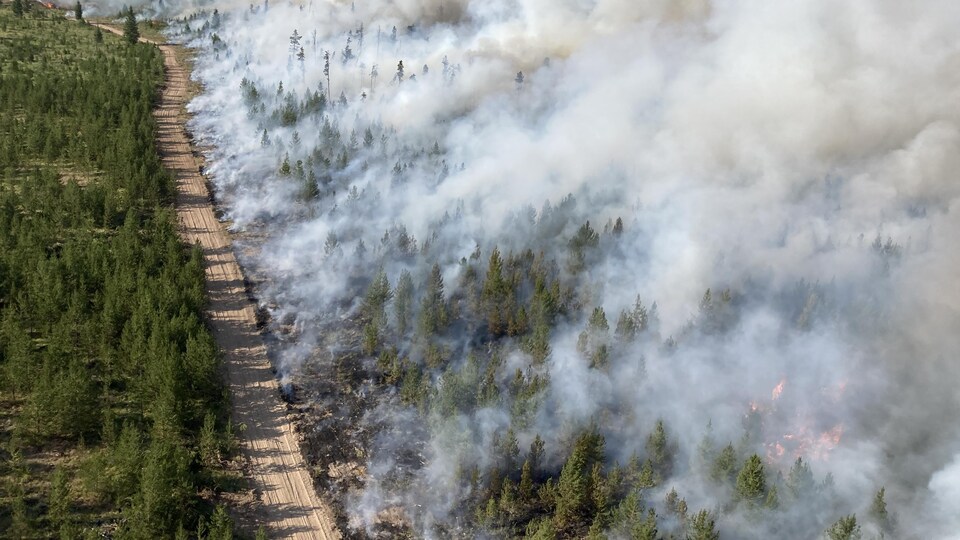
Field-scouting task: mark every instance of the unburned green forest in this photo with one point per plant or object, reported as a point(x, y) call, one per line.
point(113, 417)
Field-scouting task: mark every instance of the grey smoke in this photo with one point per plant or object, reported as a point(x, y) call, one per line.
point(746, 145)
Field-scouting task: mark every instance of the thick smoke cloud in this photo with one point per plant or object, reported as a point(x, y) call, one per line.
point(746, 146)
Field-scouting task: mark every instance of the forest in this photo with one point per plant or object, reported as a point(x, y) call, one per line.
point(525, 269)
point(504, 317)
point(114, 421)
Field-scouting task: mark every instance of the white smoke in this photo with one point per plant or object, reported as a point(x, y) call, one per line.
point(745, 145)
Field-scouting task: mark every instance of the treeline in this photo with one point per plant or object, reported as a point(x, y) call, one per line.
point(115, 418)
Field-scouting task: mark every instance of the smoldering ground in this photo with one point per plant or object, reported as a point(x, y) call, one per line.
point(760, 149)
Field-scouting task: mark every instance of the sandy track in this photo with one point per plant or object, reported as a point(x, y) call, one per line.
point(270, 445)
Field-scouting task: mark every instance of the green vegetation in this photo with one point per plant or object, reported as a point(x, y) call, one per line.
point(131, 32)
point(112, 414)
point(461, 346)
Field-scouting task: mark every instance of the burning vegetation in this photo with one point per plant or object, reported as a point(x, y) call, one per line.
point(526, 282)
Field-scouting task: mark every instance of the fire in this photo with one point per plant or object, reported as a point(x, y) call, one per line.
point(805, 443)
point(830, 439)
point(797, 434)
point(777, 390)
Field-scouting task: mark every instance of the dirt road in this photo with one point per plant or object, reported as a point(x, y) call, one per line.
point(270, 445)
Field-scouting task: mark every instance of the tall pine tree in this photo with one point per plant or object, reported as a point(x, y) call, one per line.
point(131, 32)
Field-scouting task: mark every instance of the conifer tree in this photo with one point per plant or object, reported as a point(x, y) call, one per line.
point(433, 308)
point(846, 528)
point(494, 295)
point(703, 527)
point(58, 509)
point(724, 467)
point(536, 452)
point(752, 482)
point(658, 449)
point(879, 513)
point(131, 32)
point(526, 481)
point(221, 526)
point(800, 482)
point(403, 302)
point(78, 11)
point(647, 528)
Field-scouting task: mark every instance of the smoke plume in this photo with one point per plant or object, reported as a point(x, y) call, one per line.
point(796, 159)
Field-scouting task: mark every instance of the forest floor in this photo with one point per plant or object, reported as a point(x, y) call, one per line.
point(271, 447)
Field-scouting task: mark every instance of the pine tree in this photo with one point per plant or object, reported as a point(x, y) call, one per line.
point(647, 477)
point(600, 495)
point(800, 481)
point(526, 481)
point(752, 482)
point(508, 498)
point(879, 513)
point(724, 467)
point(510, 450)
point(598, 320)
point(295, 42)
point(58, 509)
point(596, 529)
point(20, 526)
point(707, 447)
point(618, 227)
point(433, 307)
point(208, 444)
point(495, 295)
point(326, 71)
point(626, 327)
point(403, 302)
point(646, 529)
point(703, 527)
point(221, 526)
point(542, 529)
point(671, 500)
point(131, 32)
point(165, 488)
point(846, 528)
point(572, 491)
point(536, 453)
point(573, 487)
point(78, 11)
point(658, 449)
point(773, 499)
point(376, 298)
point(682, 509)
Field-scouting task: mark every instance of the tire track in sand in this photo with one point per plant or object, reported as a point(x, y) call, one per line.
point(279, 475)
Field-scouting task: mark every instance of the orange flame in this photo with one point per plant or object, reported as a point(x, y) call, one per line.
point(804, 438)
point(777, 390)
